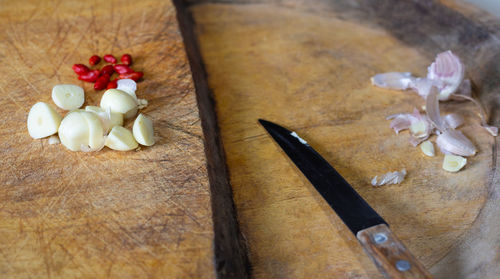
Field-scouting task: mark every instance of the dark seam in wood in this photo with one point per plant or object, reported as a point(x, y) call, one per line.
point(230, 251)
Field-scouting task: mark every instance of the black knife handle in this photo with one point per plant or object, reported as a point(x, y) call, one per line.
point(389, 254)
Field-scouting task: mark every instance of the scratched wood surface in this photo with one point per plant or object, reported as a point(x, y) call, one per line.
point(110, 214)
point(306, 65)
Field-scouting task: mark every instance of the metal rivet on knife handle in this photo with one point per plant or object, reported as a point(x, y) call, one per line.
point(380, 238)
point(403, 265)
point(389, 254)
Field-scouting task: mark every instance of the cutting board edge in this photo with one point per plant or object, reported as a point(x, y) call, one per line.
point(230, 250)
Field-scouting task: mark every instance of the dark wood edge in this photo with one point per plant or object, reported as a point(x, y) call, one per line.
point(230, 252)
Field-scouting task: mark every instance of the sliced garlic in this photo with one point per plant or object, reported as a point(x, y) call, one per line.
point(81, 128)
point(120, 139)
point(453, 163)
point(143, 130)
point(119, 101)
point(428, 148)
point(43, 120)
point(108, 120)
point(68, 96)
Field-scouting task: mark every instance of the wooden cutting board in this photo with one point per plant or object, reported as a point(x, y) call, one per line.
point(306, 65)
point(110, 214)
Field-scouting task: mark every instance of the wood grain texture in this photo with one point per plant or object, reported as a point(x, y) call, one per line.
point(306, 65)
point(110, 214)
point(387, 251)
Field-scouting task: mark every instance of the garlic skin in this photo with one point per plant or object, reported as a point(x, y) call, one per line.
point(81, 128)
point(120, 102)
point(143, 130)
point(389, 178)
point(108, 119)
point(428, 148)
point(447, 71)
point(419, 129)
point(120, 139)
point(43, 120)
point(68, 96)
point(453, 163)
point(393, 80)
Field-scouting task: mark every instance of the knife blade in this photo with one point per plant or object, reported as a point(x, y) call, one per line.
point(388, 253)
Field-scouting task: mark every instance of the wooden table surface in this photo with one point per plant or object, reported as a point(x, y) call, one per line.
point(110, 214)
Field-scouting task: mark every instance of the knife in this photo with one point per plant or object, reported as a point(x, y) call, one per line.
point(388, 253)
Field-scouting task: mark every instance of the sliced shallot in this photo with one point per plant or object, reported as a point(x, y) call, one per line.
point(389, 178)
point(401, 122)
point(449, 70)
point(422, 86)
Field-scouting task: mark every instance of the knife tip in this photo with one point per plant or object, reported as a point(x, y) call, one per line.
point(264, 122)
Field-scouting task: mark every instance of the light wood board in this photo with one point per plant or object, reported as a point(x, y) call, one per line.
point(110, 214)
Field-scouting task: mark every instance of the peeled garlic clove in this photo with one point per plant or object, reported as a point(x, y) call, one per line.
point(108, 119)
point(81, 128)
point(428, 148)
point(68, 96)
point(120, 139)
point(119, 101)
point(453, 163)
point(143, 130)
point(43, 120)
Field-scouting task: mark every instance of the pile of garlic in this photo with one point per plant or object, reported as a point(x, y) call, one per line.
point(92, 128)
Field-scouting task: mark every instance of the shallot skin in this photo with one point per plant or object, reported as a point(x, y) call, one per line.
point(393, 80)
point(389, 178)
